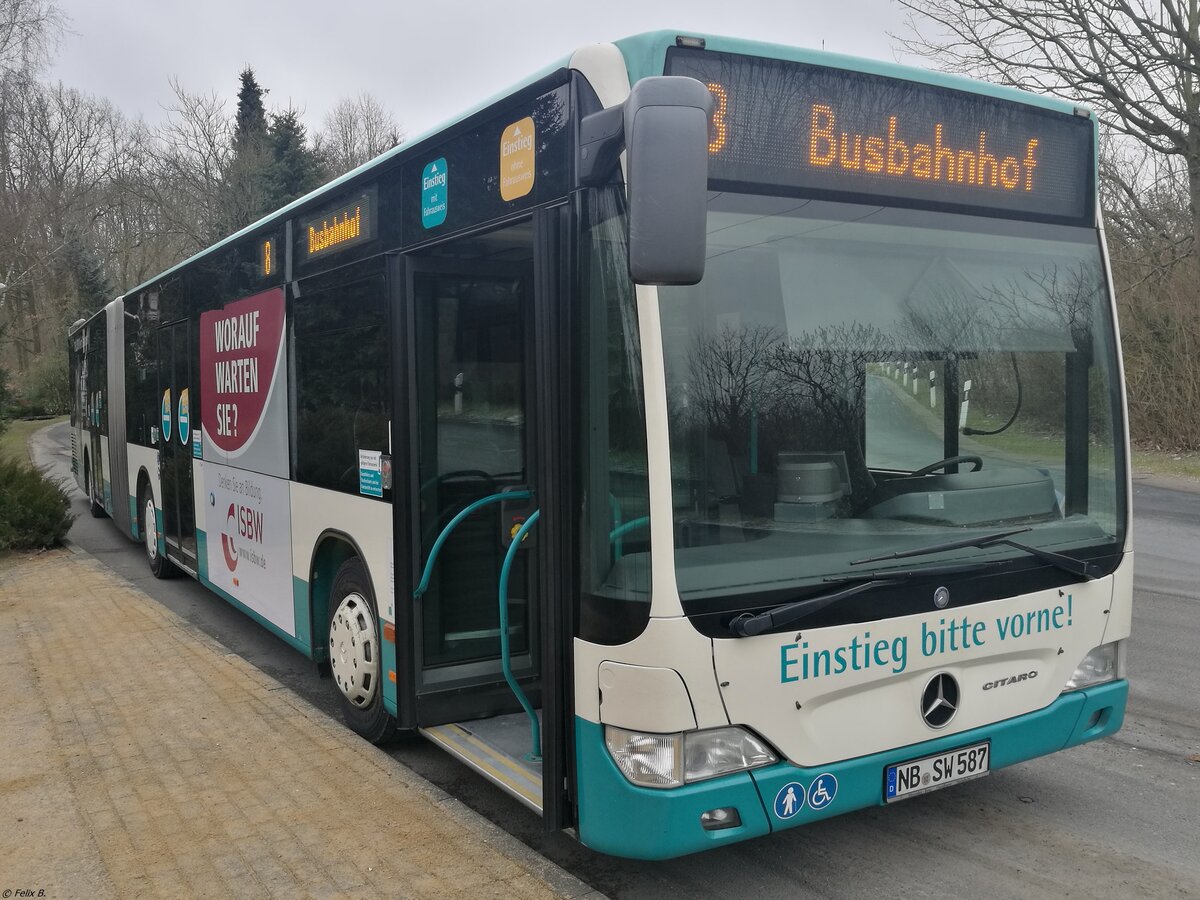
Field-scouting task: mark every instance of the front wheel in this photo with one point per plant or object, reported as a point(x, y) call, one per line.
point(160, 566)
point(355, 658)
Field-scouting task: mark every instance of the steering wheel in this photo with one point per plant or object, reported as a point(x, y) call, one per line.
point(468, 475)
point(948, 461)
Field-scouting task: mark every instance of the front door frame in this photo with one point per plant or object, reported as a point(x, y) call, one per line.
point(552, 459)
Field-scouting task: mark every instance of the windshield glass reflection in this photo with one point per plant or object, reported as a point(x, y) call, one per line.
point(849, 381)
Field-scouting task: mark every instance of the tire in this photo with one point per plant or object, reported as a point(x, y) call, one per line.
point(355, 653)
point(160, 566)
point(96, 509)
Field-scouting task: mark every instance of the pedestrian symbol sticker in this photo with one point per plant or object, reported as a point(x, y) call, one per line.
point(822, 791)
point(789, 800)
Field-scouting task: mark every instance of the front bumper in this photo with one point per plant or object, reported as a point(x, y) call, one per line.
point(625, 820)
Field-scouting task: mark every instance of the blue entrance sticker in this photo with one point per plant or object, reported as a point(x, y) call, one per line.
point(434, 193)
point(166, 415)
point(822, 791)
point(789, 800)
point(184, 417)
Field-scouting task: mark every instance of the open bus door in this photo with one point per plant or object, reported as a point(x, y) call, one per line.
point(483, 436)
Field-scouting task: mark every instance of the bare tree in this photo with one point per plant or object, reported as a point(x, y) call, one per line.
point(186, 161)
point(28, 31)
point(357, 129)
point(1137, 62)
point(731, 381)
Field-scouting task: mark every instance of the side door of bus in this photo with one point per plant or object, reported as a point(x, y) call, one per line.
point(175, 372)
point(470, 379)
point(484, 399)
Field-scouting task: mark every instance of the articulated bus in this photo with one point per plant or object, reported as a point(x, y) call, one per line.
point(699, 440)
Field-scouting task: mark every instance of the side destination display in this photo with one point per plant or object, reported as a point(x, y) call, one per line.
point(348, 225)
point(830, 130)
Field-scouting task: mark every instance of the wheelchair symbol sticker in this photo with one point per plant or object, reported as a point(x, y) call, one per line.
point(789, 800)
point(822, 791)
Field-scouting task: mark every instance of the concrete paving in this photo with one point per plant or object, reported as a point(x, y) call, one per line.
point(141, 758)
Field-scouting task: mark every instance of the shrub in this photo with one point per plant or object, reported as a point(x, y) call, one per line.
point(6, 399)
point(35, 511)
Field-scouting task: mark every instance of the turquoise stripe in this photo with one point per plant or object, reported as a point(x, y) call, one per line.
point(301, 644)
point(135, 524)
point(202, 554)
point(265, 623)
point(301, 610)
point(162, 537)
point(619, 818)
point(644, 823)
point(390, 694)
point(1062, 724)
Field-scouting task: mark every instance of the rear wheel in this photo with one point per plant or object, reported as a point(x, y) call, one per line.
point(355, 657)
point(160, 566)
point(88, 488)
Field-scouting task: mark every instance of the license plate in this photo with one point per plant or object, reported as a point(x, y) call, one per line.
point(907, 779)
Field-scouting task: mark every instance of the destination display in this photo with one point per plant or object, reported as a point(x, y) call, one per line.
point(339, 228)
point(842, 132)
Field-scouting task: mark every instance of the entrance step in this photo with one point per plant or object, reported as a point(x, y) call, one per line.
point(495, 748)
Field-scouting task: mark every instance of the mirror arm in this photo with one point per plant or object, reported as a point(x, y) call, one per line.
point(601, 142)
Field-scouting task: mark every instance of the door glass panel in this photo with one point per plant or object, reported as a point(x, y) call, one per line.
point(471, 387)
point(174, 377)
point(182, 444)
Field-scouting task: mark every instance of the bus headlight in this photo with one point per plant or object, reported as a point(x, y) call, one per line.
point(671, 760)
point(1100, 665)
point(719, 751)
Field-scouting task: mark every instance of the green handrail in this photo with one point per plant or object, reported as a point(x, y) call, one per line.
point(535, 727)
point(423, 586)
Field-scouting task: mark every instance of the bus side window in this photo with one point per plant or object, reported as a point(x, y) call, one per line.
point(342, 382)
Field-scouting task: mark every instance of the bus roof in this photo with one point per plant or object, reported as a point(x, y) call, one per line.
point(645, 55)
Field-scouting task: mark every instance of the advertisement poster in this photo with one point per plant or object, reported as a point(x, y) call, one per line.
point(250, 541)
point(243, 390)
point(243, 425)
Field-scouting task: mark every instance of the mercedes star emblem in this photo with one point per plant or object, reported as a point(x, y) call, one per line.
point(939, 700)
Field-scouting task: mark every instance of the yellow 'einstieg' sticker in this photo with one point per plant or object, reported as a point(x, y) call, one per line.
point(516, 159)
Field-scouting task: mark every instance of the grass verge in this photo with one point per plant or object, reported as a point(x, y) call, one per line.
point(14, 441)
point(1164, 462)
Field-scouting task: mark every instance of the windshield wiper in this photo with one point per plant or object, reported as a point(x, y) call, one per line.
point(1066, 563)
point(747, 625)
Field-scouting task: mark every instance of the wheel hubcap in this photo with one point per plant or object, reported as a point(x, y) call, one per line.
point(353, 650)
point(151, 532)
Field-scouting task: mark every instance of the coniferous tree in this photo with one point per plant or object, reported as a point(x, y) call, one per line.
point(295, 168)
point(245, 184)
point(250, 123)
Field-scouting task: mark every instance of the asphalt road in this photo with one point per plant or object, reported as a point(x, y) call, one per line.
point(1118, 817)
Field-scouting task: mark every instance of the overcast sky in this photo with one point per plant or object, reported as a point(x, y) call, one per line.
point(426, 62)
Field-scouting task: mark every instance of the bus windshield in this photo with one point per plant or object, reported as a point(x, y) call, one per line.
point(836, 355)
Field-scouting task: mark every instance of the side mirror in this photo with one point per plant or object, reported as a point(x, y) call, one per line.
point(663, 126)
